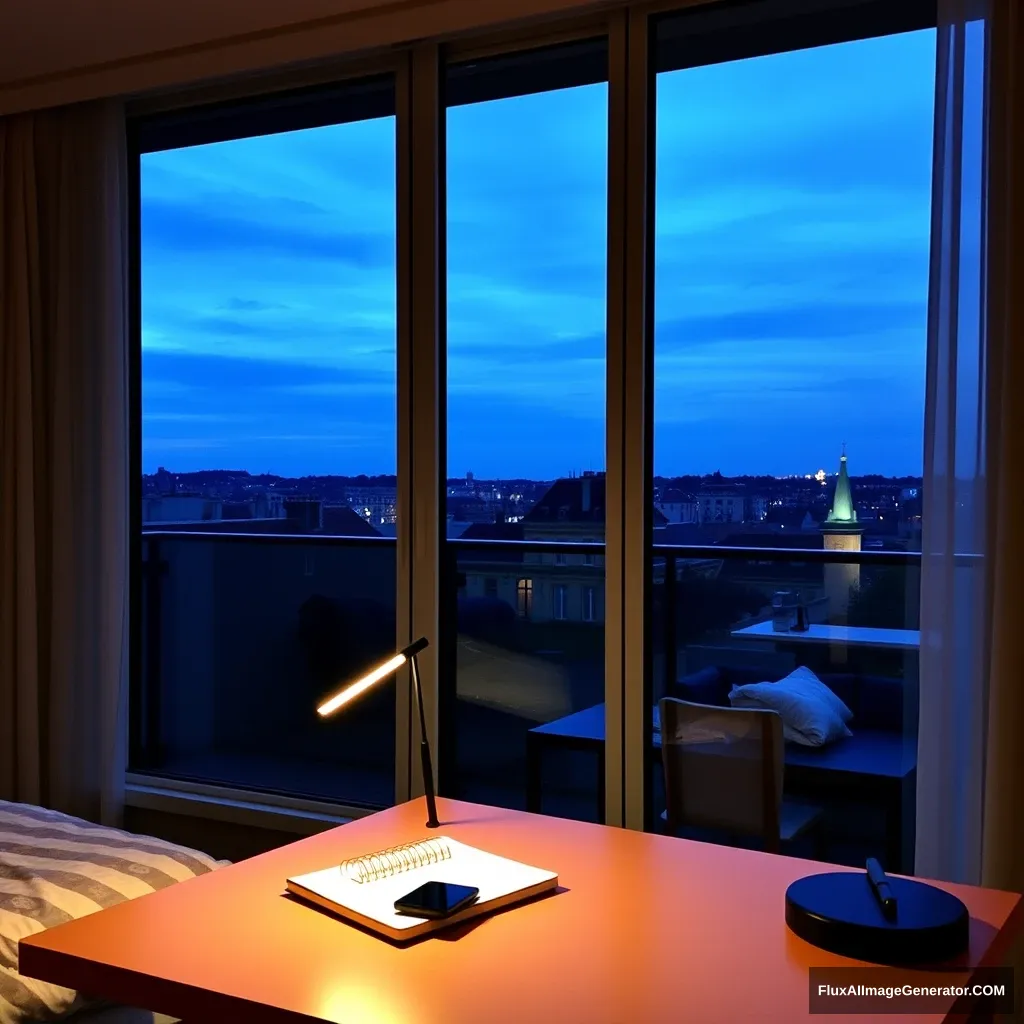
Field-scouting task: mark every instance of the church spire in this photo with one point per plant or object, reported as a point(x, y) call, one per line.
point(842, 511)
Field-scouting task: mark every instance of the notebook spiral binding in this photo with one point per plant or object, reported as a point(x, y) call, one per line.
point(374, 866)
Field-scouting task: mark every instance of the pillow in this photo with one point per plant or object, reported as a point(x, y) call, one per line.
point(54, 868)
point(808, 717)
point(806, 677)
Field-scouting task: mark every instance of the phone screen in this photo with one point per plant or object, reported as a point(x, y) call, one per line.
point(436, 899)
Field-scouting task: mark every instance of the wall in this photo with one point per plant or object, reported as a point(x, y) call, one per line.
point(224, 840)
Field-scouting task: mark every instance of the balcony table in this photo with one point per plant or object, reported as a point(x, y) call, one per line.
point(819, 633)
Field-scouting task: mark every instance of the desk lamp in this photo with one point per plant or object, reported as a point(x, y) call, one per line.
point(374, 676)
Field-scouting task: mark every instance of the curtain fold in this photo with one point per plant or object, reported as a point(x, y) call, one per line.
point(970, 792)
point(955, 546)
point(64, 459)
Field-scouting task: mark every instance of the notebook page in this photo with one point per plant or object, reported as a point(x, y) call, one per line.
point(494, 876)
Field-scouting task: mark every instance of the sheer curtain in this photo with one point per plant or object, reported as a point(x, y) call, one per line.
point(953, 670)
point(969, 662)
point(63, 459)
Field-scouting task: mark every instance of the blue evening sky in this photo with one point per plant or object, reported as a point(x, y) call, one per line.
point(793, 196)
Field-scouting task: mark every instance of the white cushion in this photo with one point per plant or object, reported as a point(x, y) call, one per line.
point(808, 678)
point(809, 717)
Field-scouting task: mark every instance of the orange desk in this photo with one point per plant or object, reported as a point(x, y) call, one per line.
point(648, 929)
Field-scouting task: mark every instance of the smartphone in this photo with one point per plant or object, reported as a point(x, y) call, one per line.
point(436, 899)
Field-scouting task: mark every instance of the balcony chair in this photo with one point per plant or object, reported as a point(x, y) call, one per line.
point(724, 771)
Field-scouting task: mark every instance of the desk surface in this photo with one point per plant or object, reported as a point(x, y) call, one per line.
point(646, 925)
point(853, 636)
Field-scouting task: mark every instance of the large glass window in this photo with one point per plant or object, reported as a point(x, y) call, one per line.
point(526, 173)
point(791, 283)
point(268, 443)
point(792, 211)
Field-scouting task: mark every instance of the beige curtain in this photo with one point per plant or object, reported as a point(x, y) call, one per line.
point(63, 459)
point(1003, 848)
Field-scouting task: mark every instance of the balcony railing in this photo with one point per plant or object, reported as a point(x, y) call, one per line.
point(240, 636)
point(241, 633)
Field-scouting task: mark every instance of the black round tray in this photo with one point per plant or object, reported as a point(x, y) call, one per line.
point(838, 911)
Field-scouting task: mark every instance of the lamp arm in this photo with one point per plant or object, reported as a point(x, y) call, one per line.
point(425, 761)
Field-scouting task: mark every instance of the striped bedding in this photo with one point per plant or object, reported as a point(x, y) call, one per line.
point(54, 868)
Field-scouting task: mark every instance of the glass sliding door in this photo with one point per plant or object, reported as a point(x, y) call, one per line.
point(526, 177)
point(268, 442)
point(793, 191)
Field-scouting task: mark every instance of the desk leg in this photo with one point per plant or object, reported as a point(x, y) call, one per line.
point(533, 767)
point(600, 785)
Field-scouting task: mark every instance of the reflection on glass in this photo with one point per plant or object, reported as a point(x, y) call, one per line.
point(526, 203)
point(268, 408)
point(792, 240)
point(241, 644)
point(792, 237)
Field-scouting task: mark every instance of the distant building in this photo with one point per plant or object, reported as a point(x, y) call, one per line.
point(239, 510)
point(165, 481)
point(376, 505)
point(471, 509)
point(343, 521)
point(543, 586)
point(789, 519)
point(304, 515)
point(268, 506)
point(181, 508)
point(841, 532)
point(721, 500)
point(677, 507)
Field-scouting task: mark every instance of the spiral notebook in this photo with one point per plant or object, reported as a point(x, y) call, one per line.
point(364, 889)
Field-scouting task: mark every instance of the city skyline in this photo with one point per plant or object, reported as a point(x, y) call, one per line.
point(476, 478)
point(791, 281)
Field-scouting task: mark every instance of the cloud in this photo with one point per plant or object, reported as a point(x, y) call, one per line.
point(237, 305)
point(187, 227)
point(310, 331)
point(149, 416)
point(209, 373)
point(790, 277)
point(820, 322)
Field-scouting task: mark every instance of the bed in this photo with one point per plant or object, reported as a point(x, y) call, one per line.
point(54, 868)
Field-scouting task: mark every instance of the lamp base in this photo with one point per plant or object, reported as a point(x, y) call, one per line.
point(837, 911)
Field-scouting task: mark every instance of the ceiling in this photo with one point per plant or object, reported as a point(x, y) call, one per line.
point(54, 52)
point(46, 38)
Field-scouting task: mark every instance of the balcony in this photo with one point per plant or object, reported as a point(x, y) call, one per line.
point(242, 634)
point(713, 628)
point(528, 650)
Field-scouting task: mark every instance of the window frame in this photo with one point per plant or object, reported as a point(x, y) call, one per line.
point(633, 62)
point(524, 598)
point(560, 602)
point(574, 53)
point(731, 31)
point(350, 92)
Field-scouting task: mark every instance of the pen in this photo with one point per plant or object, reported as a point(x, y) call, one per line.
point(881, 888)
